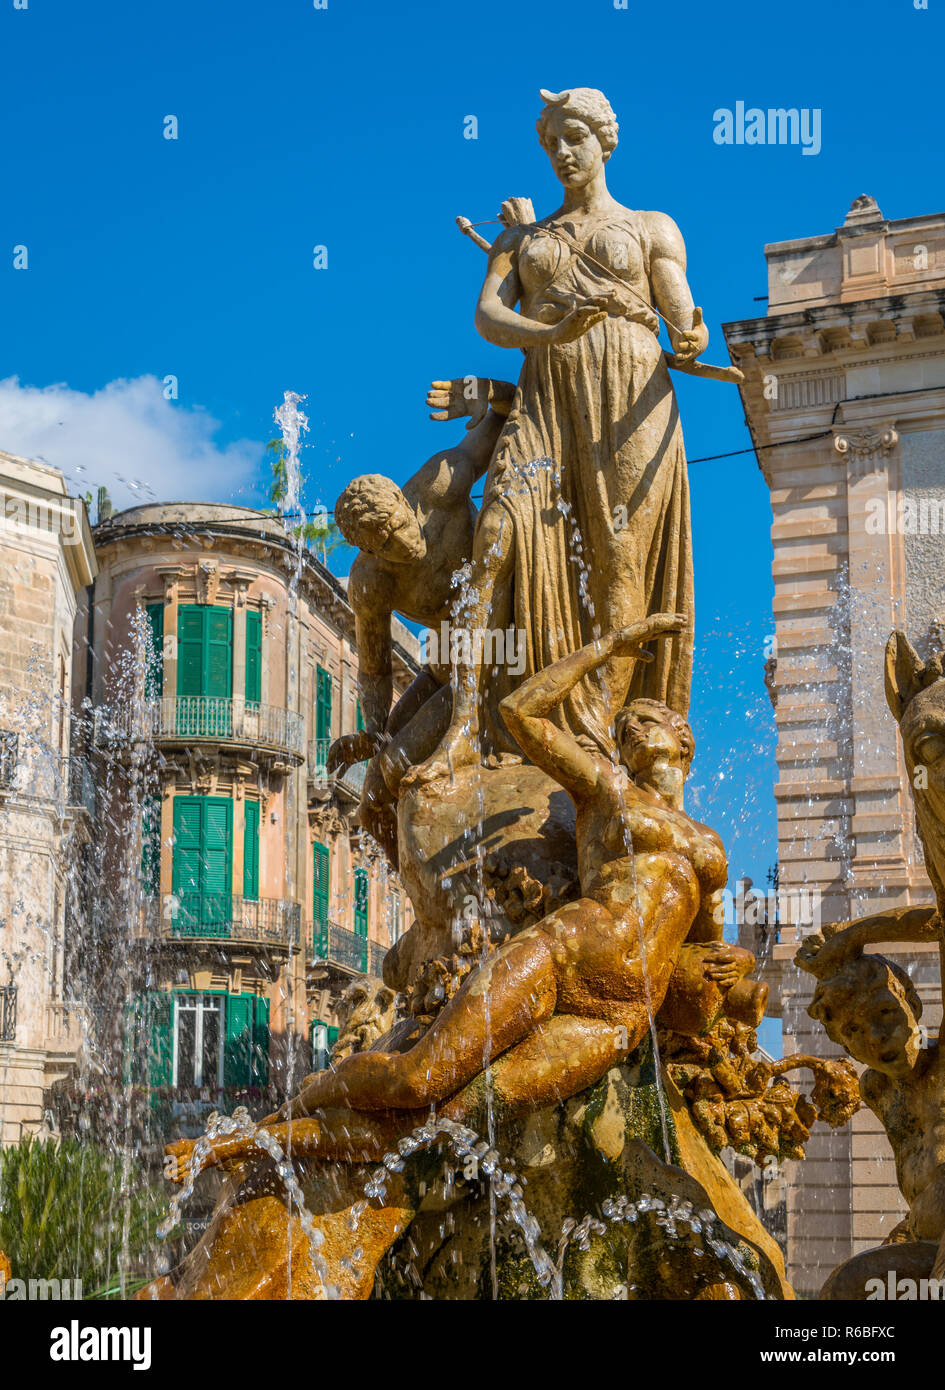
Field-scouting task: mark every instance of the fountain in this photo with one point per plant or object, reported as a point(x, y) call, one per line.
point(539, 1100)
point(559, 1077)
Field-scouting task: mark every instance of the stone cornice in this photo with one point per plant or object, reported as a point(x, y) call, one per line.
point(830, 330)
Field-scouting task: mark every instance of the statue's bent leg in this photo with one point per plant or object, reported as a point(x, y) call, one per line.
point(490, 564)
point(563, 1055)
point(499, 1003)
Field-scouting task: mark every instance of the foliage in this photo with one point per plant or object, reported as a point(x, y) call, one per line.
point(67, 1209)
point(320, 533)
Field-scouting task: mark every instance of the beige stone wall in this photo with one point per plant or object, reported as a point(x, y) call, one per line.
point(45, 557)
point(845, 398)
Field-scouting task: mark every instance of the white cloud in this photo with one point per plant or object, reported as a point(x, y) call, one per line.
point(128, 438)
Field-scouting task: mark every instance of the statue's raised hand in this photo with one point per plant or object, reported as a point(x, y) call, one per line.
point(626, 641)
point(580, 319)
point(453, 400)
point(353, 748)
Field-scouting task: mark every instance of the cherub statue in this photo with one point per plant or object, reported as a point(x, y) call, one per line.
point(412, 540)
point(869, 1006)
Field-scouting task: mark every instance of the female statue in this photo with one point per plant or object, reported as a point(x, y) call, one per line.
point(585, 519)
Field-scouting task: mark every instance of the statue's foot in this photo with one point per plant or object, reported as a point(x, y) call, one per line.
point(457, 750)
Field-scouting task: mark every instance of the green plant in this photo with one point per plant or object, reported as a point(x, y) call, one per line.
point(70, 1210)
point(321, 533)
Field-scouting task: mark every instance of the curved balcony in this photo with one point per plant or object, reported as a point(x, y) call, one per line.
point(350, 781)
point(347, 950)
point(271, 922)
point(186, 719)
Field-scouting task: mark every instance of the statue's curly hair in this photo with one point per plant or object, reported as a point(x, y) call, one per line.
point(363, 510)
point(679, 725)
point(857, 977)
point(587, 104)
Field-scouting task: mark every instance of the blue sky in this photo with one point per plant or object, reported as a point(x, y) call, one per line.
point(343, 127)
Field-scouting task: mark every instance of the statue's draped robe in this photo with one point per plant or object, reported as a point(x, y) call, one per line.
point(591, 472)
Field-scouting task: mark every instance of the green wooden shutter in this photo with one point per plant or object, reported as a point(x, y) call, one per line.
point(154, 669)
point(217, 863)
point(238, 1040)
point(358, 717)
point(185, 861)
point(261, 1042)
point(190, 644)
point(322, 703)
point(251, 849)
point(253, 656)
point(151, 846)
point(159, 1015)
point(218, 659)
point(361, 901)
point(321, 865)
point(202, 863)
point(130, 1039)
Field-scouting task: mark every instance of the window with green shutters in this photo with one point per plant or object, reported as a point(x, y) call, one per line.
point(151, 846)
point(322, 703)
point(251, 849)
point(361, 901)
point(190, 1039)
point(321, 867)
point(148, 1040)
point(253, 656)
point(204, 669)
point(154, 665)
point(358, 717)
point(202, 865)
point(246, 1044)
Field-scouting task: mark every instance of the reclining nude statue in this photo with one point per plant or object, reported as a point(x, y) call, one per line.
point(562, 1002)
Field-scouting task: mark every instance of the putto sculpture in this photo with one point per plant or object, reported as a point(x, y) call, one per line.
point(869, 1006)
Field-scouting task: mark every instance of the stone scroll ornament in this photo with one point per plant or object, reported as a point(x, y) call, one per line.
point(868, 1005)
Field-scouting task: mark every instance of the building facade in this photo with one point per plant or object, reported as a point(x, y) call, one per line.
point(46, 795)
point(238, 899)
point(845, 399)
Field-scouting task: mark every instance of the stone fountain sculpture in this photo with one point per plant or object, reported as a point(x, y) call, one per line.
point(570, 1002)
point(868, 1005)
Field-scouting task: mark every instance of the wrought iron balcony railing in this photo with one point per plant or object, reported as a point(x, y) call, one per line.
point(223, 917)
point(78, 783)
point(352, 779)
point(7, 1013)
point(215, 718)
point(9, 746)
point(336, 945)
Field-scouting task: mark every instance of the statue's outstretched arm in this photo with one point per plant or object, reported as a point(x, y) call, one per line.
point(525, 711)
point(823, 955)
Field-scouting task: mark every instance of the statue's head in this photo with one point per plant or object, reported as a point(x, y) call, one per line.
point(578, 130)
point(870, 1007)
point(915, 692)
point(655, 744)
point(373, 514)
